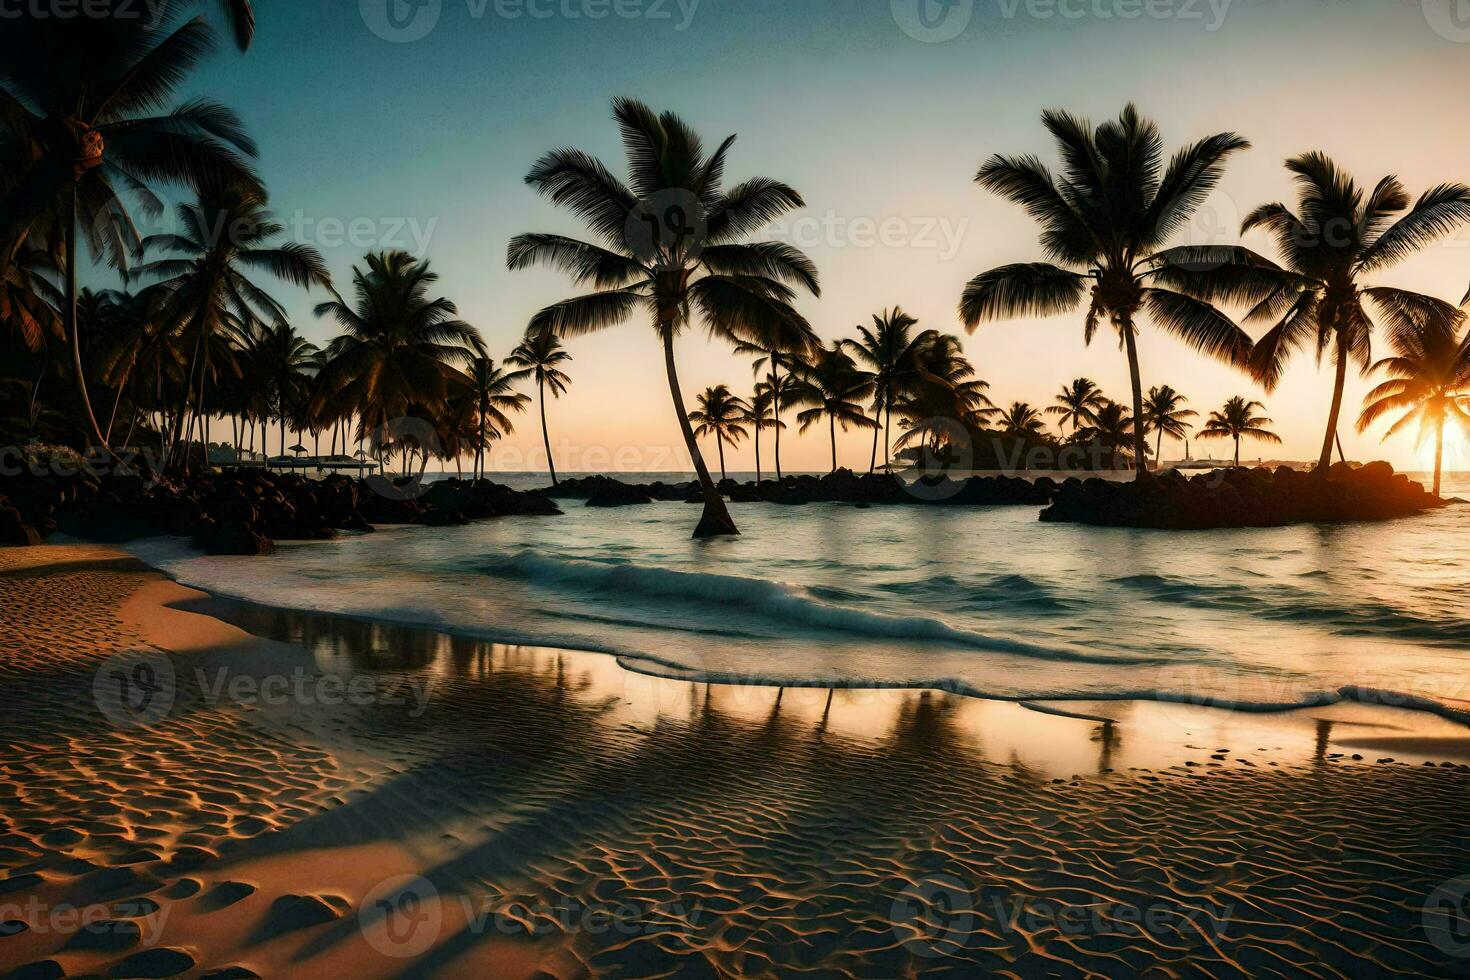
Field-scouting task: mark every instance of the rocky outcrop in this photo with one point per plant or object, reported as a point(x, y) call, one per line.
point(1243, 498)
point(843, 486)
point(238, 511)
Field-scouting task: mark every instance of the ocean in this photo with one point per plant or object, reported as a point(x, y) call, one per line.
point(987, 602)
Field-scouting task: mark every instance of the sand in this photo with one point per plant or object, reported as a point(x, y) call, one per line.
point(312, 796)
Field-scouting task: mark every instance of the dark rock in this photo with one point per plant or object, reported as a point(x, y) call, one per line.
point(39, 970)
point(14, 530)
point(232, 537)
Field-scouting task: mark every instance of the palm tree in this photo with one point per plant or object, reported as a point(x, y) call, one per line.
point(1329, 245)
point(720, 414)
point(761, 414)
point(835, 388)
point(1022, 421)
point(1076, 404)
point(76, 136)
point(1163, 413)
point(1112, 428)
point(488, 392)
point(401, 349)
point(280, 360)
point(208, 296)
point(541, 352)
point(1237, 419)
point(1113, 208)
point(891, 350)
point(671, 247)
point(1429, 381)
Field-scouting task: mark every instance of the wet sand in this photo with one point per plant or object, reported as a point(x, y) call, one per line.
point(214, 786)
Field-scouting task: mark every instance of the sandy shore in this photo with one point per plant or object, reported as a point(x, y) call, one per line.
point(201, 788)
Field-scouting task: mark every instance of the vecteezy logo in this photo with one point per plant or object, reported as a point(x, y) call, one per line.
point(401, 917)
point(1446, 916)
point(409, 440)
point(934, 917)
point(135, 688)
point(401, 21)
point(667, 228)
point(933, 21)
point(1450, 19)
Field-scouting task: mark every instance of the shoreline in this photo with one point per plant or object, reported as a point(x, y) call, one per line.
point(1455, 712)
point(533, 787)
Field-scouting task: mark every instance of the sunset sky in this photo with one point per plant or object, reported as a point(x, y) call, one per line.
point(424, 144)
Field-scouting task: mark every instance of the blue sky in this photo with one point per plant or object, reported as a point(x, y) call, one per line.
point(426, 143)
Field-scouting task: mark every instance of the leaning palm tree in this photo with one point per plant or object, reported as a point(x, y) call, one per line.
point(1238, 419)
point(722, 415)
point(541, 353)
point(760, 413)
point(670, 247)
point(1076, 404)
point(1104, 219)
point(1022, 421)
point(402, 350)
point(1429, 382)
point(489, 393)
point(74, 99)
point(891, 350)
point(1335, 239)
point(208, 294)
point(835, 388)
point(1163, 412)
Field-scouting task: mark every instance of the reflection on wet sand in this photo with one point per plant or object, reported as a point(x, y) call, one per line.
point(476, 809)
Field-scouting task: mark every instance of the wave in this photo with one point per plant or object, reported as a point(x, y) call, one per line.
point(776, 601)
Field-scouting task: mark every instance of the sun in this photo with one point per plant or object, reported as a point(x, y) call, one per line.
point(1456, 451)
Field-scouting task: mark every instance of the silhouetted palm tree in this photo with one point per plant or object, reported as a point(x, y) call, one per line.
point(1115, 205)
point(722, 415)
point(280, 362)
point(489, 393)
point(540, 352)
point(1429, 382)
point(671, 248)
point(1022, 420)
point(1112, 428)
point(402, 350)
point(1238, 419)
point(1329, 245)
point(75, 94)
point(207, 294)
point(1076, 404)
point(891, 351)
point(1163, 413)
point(835, 388)
point(761, 414)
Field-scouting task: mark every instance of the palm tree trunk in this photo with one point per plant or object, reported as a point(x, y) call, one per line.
point(757, 452)
point(776, 410)
point(716, 518)
point(1140, 448)
point(1325, 460)
point(546, 433)
point(73, 326)
point(1237, 451)
point(873, 459)
point(1438, 450)
point(887, 434)
point(720, 445)
point(1159, 453)
point(832, 426)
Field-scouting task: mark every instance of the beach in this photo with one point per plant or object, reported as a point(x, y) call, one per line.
point(302, 794)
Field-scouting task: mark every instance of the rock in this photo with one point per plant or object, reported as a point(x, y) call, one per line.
point(13, 927)
point(14, 530)
point(39, 970)
point(232, 537)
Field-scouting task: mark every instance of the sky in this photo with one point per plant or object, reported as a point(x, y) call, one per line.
point(879, 112)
